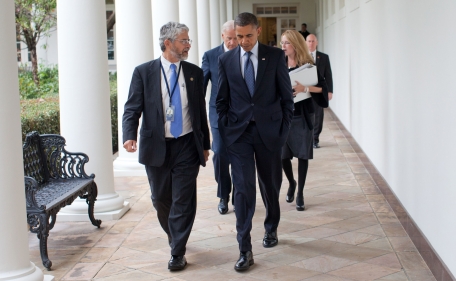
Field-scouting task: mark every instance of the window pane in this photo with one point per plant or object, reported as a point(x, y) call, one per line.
point(276, 10)
point(268, 10)
point(260, 10)
point(284, 10)
point(293, 10)
point(292, 24)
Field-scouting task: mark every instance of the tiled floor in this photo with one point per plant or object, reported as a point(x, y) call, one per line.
point(348, 232)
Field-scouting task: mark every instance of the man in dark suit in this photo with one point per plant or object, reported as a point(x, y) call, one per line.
point(324, 67)
point(220, 158)
point(304, 31)
point(174, 142)
point(255, 107)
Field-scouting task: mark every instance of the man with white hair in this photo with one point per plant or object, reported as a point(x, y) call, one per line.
point(220, 158)
point(174, 138)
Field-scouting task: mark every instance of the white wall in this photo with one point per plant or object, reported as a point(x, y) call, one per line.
point(394, 64)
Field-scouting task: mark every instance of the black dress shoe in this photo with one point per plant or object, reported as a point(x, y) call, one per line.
point(244, 262)
point(270, 239)
point(177, 263)
point(291, 191)
point(300, 202)
point(223, 205)
point(316, 145)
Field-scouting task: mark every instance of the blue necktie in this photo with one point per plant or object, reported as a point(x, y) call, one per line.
point(249, 74)
point(176, 125)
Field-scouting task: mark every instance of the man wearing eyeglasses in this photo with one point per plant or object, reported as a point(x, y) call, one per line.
point(174, 137)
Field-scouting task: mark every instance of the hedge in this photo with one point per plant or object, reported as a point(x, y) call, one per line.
point(43, 115)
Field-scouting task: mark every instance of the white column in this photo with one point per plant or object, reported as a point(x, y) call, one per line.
point(14, 254)
point(214, 8)
point(134, 46)
point(187, 16)
point(85, 117)
point(162, 12)
point(204, 31)
point(222, 12)
point(229, 10)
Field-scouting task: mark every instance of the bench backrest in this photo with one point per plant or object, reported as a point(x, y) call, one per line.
point(42, 155)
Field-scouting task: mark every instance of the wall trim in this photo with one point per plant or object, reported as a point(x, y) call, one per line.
point(430, 256)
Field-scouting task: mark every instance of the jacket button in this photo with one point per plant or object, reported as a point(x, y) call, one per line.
point(252, 104)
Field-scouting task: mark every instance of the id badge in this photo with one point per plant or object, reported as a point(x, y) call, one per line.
point(170, 113)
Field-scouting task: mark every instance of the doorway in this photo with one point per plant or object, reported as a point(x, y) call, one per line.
point(268, 35)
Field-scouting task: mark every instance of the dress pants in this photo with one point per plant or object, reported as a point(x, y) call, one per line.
point(221, 165)
point(173, 187)
point(244, 153)
point(318, 124)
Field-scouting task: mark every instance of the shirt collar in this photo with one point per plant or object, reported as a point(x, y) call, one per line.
point(225, 49)
point(254, 50)
point(166, 63)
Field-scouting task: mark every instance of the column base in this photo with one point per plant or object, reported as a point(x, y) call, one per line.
point(32, 273)
point(109, 206)
point(104, 216)
point(128, 167)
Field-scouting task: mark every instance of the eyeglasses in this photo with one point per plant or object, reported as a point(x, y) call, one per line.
point(285, 43)
point(186, 41)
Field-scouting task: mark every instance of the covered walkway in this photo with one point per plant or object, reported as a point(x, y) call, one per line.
point(348, 232)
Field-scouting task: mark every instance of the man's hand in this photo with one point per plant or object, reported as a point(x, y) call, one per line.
point(130, 145)
point(330, 96)
point(206, 155)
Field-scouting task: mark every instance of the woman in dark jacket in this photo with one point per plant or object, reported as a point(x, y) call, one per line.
point(300, 140)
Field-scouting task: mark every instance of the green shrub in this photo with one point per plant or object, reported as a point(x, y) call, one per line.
point(43, 114)
point(114, 118)
point(40, 115)
point(49, 82)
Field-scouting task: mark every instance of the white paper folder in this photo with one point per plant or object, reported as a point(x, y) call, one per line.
point(307, 76)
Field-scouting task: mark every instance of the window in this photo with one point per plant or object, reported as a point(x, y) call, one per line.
point(110, 39)
point(275, 10)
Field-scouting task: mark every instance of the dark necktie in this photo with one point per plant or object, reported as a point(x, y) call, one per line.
point(249, 74)
point(176, 125)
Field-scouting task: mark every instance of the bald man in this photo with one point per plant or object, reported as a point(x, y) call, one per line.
point(324, 67)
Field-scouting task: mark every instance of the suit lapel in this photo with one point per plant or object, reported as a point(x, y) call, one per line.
point(189, 85)
point(235, 63)
point(155, 85)
point(221, 50)
point(262, 62)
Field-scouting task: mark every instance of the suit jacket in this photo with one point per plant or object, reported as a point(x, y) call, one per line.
point(271, 105)
point(145, 98)
point(210, 70)
point(324, 68)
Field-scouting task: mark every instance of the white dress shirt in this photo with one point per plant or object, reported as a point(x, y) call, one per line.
point(314, 55)
point(186, 122)
point(253, 58)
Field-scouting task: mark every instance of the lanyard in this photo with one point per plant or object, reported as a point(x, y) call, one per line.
point(175, 83)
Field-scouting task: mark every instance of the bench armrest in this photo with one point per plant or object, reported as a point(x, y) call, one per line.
point(72, 165)
point(31, 186)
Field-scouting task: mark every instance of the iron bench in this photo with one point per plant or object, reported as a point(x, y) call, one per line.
point(54, 178)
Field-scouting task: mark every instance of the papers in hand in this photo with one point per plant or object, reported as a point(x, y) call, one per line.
point(307, 76)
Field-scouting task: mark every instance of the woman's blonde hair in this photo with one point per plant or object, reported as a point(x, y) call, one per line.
point(299, 45)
